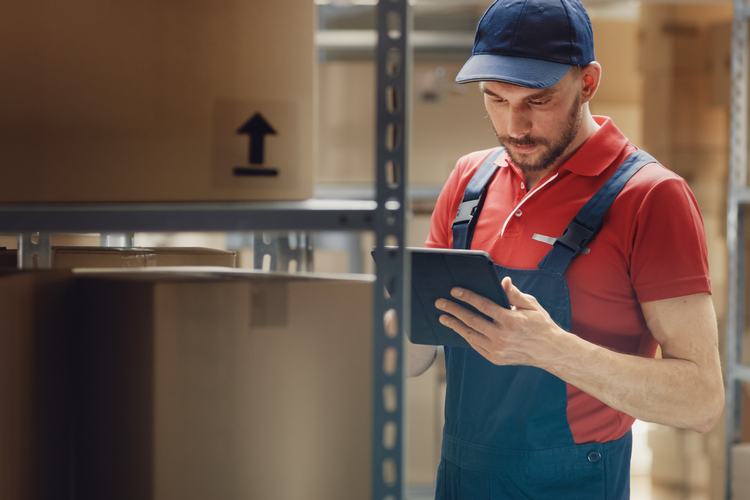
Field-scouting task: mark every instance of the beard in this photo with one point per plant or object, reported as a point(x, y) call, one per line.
point(553, 148)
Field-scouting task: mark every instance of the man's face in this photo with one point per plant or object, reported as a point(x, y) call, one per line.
point(538, 127)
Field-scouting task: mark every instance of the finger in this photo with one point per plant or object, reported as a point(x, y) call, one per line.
point(482, 304)
point(477, 340)
point(470, 319)
point(516, 297)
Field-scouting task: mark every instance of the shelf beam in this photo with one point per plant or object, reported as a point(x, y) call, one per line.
point(309, 215)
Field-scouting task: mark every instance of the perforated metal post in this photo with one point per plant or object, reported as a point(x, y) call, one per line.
point(117, 240)
point(738, 198)
point(393, 66)
point(34, 251)
point(290, 251)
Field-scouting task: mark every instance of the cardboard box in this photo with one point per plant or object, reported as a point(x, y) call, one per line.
point(75, 257)
point(669, 467)
point(231, 385)
point(425, 431)
point(194, 256)
point(740, 466)
point(111, 257)
point(152, 100)
point(34, 385)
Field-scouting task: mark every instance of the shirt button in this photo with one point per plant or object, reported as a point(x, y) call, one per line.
point(594, 456)
point(519, 213)
point(523, 186)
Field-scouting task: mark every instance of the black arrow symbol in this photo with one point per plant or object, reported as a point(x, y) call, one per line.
point(257, 128)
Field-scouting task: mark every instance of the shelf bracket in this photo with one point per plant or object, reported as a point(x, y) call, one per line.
point(118, 240)
point(34, 251)
point(292, 251)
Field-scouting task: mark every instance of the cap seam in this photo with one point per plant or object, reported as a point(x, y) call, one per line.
point(571, 30)
point(518, 21)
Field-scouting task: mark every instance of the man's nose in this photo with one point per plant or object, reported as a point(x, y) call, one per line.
point(519, 123)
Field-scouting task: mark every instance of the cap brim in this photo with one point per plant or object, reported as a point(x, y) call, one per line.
point(531, 73)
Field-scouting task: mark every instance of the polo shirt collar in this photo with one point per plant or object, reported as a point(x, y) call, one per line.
point(599, 151)
point(594, 156)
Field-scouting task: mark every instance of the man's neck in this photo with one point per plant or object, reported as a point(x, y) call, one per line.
point(587, 129)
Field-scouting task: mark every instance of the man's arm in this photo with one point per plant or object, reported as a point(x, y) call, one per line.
point(684, 389)
point(420, 357)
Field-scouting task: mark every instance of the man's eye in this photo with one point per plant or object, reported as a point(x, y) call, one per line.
point(538, 103)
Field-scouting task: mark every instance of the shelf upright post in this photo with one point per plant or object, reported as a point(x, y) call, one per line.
point(117, 240)
point(393, 59)
point(274, 251)
point(737, 198)
point(34, 251)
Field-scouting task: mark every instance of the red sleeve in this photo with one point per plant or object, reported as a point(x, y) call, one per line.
point(669, 255)
point(441, 234)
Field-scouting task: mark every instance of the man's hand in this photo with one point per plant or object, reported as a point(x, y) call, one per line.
point(684, 389)
point(523, 335)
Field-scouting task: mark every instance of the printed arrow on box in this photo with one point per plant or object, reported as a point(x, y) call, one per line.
point(257, 128)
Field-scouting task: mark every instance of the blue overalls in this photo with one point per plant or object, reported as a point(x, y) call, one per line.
point(506, 433)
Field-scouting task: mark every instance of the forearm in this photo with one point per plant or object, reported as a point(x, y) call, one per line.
point(684, 389)
point(673, 392)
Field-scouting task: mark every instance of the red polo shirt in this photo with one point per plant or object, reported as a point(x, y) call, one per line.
point(651, 246)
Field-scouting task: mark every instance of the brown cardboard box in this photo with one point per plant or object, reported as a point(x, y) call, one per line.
point(34, 386)
point(230, 385)
point(76, 257)
point(57, 240)
point(425, 419)
point(144, 100)
point(194, 256)
point(105, 257)
point(740, 466)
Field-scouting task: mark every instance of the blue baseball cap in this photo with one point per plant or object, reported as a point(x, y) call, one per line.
point(531, 43)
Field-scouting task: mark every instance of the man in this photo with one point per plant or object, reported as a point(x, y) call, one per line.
point(541, 406)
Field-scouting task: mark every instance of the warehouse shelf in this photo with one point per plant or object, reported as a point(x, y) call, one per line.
point(309, 215)
point(739, 197)
point(385, 215)
point(742, 196)
point(367, 192)
point(742, 372)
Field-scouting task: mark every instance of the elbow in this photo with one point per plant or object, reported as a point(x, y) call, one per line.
point(709, 413)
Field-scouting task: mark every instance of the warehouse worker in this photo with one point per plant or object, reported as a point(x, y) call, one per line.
point(541, 407)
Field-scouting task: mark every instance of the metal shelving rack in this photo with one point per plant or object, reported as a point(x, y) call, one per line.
point(739, 198)
point(386, 216)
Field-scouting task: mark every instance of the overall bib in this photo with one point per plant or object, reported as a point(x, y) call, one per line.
point(506, 433)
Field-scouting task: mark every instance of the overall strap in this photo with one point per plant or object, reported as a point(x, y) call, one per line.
point(588, 221)
point(471, 205)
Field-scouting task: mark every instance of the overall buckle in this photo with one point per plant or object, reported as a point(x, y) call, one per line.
point(576, 236)
point(466, 211)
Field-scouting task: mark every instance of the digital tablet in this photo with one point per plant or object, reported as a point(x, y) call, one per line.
point(434, 272)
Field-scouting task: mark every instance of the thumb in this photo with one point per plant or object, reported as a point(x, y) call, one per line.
point(515, 296)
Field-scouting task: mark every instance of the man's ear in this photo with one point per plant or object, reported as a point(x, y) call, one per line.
point(590, 78)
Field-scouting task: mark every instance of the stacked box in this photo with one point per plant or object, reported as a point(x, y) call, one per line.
point(740, 467)
point(194, 256)
point(155, 100)
point(228, 385)
point(34, 385)
point(104, 257)
point(669, 466)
